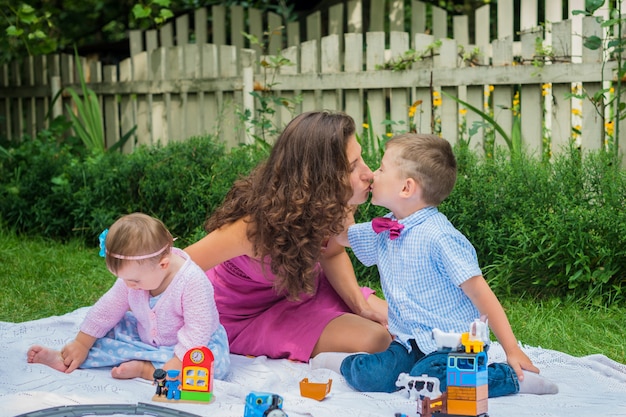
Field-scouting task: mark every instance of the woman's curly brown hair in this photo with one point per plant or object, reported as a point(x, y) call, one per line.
point(296, 199)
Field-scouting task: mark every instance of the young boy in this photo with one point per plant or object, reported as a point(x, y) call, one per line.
point(429, 275)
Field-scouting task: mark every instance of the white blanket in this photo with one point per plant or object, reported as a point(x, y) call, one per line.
point(590, 385)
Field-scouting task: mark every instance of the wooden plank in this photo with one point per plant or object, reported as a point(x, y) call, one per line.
point(335, 23)
point(309, 65)
point(399, 97)
point(182, 30)
point(143, 102)
point(135, 40)
point(418, 18)
point(30, 127)
point(396, 16)
point(287, 113)
point(424, 116)
point(218, 25)
point(528, 15)
point(502, 101)
point(200, 25)
point(502, 52)
point(592, 132)
point(331, 63)
point(167, 35)
point(449, 110)
point(248, 58)
point(482, 34)
point(229, 67)
point(127, 108)
point(475, 97)
point(529, 40)
point(505, 10)
point(561, 121)
point(375, 97)
point(377, 15)
point(531, 104)
point(209, 100)
point(353, 63)
point(110, 110)
point(440, 22)
point(460, 30)
point(276, 29)
point(591, 27)
point(152, 40)
point(191, 112)
point(314, 26)
point(255, 22)
point(237, 27)
point(175, 112)
point(293, 34)
point(355, 16)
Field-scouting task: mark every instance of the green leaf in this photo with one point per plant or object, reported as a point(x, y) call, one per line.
point(593, 42)
point(592, 5)
point(13, 31)
point(141, 12)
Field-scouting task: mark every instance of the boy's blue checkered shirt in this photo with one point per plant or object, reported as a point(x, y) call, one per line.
point(421, 272)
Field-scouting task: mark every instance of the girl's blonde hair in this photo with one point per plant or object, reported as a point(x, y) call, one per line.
point(136, 237)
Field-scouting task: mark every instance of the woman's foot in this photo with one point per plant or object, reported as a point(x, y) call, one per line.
point(133, 369)
point(46, 356)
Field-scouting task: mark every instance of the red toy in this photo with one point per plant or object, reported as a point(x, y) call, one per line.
point(196, 377)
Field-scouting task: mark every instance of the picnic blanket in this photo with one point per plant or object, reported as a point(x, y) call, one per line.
point(590, 385)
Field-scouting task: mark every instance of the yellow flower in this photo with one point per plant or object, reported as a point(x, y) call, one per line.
point(413, 107)
point(389, 134)
point(436, 94)
point(609, 127)
point(463, 112)
point(491, 87)
point(611, 90)
point(437, 102)
point(366, 126)
point(576, 112)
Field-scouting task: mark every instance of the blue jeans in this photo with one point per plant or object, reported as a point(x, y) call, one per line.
point(378, 372)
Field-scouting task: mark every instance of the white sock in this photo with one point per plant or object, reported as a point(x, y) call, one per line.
point(536, 384)
point(329, 360)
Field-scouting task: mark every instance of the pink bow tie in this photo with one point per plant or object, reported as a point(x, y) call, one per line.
point(380, 224)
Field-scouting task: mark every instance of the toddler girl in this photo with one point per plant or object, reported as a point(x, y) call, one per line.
point(161, 306)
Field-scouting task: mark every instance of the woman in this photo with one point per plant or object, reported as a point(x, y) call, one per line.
point(283, 286)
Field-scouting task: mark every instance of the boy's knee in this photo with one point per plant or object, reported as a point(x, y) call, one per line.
point(364, 372)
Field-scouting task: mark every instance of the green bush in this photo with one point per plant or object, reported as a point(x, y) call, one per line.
point(554, 228)
point(49, 189)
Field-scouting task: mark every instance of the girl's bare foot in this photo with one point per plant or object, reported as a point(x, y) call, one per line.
point(133, 369)
point(46, 356)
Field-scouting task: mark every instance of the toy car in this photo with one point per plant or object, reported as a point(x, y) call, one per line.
point(264, 404)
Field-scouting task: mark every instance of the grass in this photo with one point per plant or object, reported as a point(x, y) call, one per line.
point(41, 278)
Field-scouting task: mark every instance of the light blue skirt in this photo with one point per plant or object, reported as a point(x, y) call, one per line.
point(122, 344)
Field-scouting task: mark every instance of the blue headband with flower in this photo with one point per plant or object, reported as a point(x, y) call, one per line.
point(102, 238)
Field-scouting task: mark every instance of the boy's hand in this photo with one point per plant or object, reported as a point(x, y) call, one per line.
point(518, 360)
point(74, 354)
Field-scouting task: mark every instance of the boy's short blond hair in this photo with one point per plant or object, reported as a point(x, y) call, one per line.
point(429, 160)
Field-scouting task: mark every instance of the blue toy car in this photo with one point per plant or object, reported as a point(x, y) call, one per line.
point(264, 404)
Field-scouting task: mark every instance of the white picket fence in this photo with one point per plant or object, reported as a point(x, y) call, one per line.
point(192, 77)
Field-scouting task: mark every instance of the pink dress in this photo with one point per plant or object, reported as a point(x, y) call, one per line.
point(259, 321)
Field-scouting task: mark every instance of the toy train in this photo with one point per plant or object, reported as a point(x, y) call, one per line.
point(264, 404)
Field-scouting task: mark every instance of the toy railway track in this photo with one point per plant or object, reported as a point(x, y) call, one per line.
point(140, 409)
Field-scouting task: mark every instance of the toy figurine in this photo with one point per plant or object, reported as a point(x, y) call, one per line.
point(172, 384)
point(159, 380)
point(466, 376)
point(194, 384)
point(264, 404)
